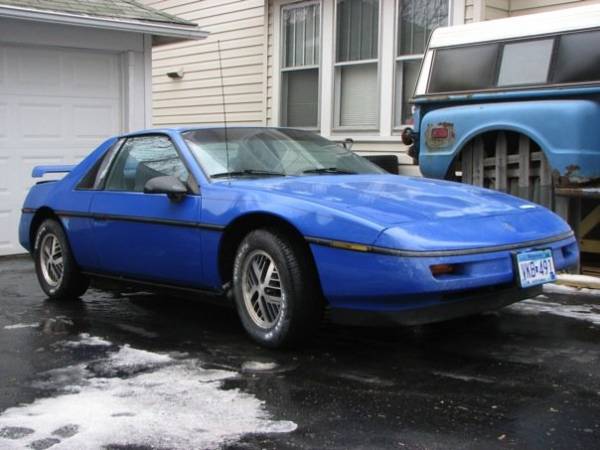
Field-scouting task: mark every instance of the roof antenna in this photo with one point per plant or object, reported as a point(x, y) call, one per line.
point(224, 110)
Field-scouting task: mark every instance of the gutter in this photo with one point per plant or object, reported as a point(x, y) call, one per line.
point(178, 32)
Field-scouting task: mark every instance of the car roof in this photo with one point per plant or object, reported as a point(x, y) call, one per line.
point(184, 128)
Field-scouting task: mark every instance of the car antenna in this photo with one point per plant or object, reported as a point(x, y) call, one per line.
point(224, 109)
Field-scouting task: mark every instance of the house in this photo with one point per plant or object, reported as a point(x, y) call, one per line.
point(72, 73)
point(343, 68)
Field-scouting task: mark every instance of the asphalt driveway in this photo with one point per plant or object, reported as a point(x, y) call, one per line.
point(144, 371)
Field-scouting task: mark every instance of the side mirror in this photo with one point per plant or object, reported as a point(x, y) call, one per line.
point(169, 185)
point(348, 143)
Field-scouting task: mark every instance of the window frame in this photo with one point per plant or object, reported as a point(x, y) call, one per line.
point(337, 76)
point(192, 183)
point(283, 69)
point(98, 181)
point(557, 36)
point(397, 98)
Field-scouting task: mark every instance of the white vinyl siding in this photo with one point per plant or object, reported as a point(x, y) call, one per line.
point(197, 97)
point(523, 7)
point(479, 10)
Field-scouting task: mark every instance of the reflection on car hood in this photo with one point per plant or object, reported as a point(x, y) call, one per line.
point(392, 199)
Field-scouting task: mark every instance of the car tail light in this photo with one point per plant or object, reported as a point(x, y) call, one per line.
point(441, 269)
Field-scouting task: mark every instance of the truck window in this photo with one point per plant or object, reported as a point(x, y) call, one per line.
point(464, 68)
point(525, 62)
point(578, 58)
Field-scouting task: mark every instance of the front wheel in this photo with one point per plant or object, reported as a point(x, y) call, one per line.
point(56, 270)
point(275, 289)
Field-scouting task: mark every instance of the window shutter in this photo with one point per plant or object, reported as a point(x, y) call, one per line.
point(358, 90)
point(302, 87)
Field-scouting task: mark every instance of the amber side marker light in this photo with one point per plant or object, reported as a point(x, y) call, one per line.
point(441, 269)
point(350, 246)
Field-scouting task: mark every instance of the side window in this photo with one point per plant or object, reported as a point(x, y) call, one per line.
point(144, 158)
point(94, 178)
point(464, 68)
point(578, 58)
point(525, 62)
point(103, 169)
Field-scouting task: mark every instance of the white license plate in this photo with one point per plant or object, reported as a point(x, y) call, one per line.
point(535, 267)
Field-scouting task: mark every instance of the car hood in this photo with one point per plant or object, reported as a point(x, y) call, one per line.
point(391, 199)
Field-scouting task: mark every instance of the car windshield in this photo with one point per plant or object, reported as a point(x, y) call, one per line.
point(271, 152)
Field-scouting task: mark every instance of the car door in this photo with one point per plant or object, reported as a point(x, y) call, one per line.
point(147, 236)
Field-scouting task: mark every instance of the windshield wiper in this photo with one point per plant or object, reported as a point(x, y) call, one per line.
point(327, 170)
point(236, 173)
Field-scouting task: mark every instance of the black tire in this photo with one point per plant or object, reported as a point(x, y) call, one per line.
point(301, 300)
point(72, 283)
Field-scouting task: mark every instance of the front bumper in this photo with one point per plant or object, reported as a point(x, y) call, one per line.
point(472, 303)
point(367, 281)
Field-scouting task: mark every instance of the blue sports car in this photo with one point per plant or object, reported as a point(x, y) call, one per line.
point(288, 225)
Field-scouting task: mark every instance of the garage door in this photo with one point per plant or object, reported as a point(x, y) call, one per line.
point(56, 105)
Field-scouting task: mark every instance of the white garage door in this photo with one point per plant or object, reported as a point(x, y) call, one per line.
point(56, 105)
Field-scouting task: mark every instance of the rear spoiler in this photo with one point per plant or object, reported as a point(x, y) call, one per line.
point(40, 171)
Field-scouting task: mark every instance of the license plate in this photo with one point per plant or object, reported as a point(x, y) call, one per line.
point(535, 267)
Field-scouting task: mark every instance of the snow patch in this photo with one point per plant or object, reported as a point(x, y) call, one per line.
point(16, 326)
point(257, 366)
point(85, 340)
point(576, 280)
point(134, 397)
point(589, 313)
point(569, 290)
point(462, 377)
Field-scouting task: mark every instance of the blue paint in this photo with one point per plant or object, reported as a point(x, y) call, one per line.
point(563, 122)
point(40, 171)
point(388, 211)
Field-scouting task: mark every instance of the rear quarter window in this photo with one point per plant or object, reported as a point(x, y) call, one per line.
point(464, 69)
point(578, 58)
point(525, 62)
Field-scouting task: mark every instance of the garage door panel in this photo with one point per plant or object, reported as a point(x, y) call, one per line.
point(56, 106)
point(93, 76)
point(3, 121)
point(41, 120)
point(7, 245)
point(9, 192)
point(94, 121)
point(2, 67)
point(35, 69)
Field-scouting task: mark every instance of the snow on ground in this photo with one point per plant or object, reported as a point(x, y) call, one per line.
point(589, 313)
point(564, 289)
point(257, 366)
point(85, 340)
point(586, 281)
point(137, 398)
point(16, 326)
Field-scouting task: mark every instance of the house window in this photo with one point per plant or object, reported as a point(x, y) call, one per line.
point(300, 65)
point(356, 63)
point(416, 20)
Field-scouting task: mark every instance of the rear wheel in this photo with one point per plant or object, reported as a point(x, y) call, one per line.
point(56, 270)
point(275, 289)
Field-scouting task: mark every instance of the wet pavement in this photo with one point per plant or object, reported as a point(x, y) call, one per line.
point(525, 377)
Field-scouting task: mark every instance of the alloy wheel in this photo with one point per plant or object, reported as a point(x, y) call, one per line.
point(51, 260)
point(262, 289)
